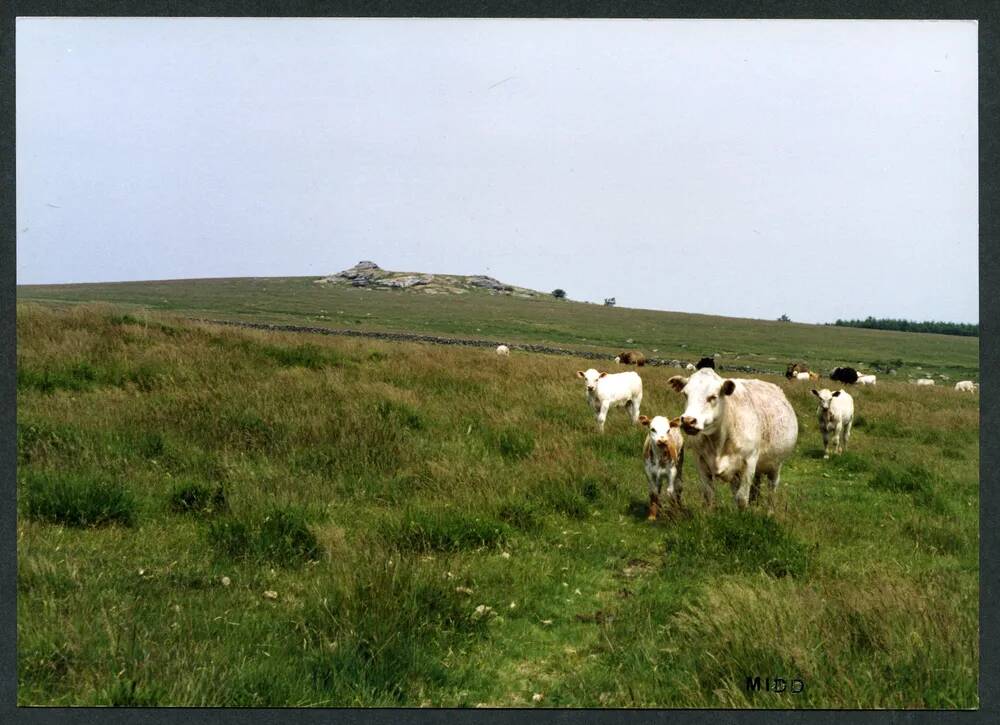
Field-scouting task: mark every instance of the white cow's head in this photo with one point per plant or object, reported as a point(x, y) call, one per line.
point(706, 394)
point(659, 427)
point(825, 397)
point(591, 376)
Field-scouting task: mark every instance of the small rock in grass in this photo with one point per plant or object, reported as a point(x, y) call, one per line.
point(482, 611)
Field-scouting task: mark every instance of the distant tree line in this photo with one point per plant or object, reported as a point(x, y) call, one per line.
point(964, 329)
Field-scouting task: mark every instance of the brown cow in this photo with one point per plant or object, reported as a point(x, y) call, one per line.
point(797, 367)
point(632, 357)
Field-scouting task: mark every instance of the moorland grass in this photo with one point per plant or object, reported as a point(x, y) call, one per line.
point(75, 499)
point(197, 498)
point(435, 526)
point(764, 344)
point(281, 536)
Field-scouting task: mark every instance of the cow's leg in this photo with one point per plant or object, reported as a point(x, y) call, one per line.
point(674, 485)
point(838, 437)
point(847, 432)
point(707, 484)
point(826, 441)
point(755, 487)
point(634, 408)
point(775, 477)
point(654, 496)
point(746, 481)
point(602, 415)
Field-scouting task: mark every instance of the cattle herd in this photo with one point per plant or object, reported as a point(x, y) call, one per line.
point(740, 430)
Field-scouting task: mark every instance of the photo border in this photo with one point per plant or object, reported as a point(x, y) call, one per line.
point(987, 14)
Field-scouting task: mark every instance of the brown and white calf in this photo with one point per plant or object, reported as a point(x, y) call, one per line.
point(738, 429)
point(663, 458)
point(605, 390)
point(836, 416)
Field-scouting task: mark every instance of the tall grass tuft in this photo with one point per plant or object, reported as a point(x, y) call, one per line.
point(444, 530)
point(913, 478)
point(39, 441)
point(379, 638)
point(307, 356)
point(198, 498)
point(512, 443)
point(281, 536)
point(77, 500)
point(76, 376)
point(735, 541)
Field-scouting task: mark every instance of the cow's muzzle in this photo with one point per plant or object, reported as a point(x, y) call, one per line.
point(690, 425)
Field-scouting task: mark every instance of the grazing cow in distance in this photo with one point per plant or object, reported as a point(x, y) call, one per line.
point(795, 368)
point(612, 389)
point(925, 381)
point(801, 376)
point(965, 386)
point(705, 362)
point(836, 416)
point(663, 456)
point(503, 350)
point(632, 357)
point(845, 375)
point(866, 379)
point(739, 430)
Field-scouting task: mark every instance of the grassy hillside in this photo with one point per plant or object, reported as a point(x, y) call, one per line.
point(215, 516)
point(761, 344)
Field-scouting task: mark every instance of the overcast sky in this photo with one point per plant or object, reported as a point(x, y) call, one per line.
point(748, 168)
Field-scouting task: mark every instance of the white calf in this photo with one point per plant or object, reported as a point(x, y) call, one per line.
point(965, 386)
point(925, 381)
point(663, 456)
point(615, 389)
point(503, 350)
point(866, 380)
point(836, 415)
point(802, 376)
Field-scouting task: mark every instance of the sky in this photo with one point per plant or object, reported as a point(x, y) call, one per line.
point(819, 169)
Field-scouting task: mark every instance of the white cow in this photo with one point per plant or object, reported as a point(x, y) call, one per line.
point(836, 415)
point(612, 389)
point(925, 381)
point(866, 379)
point(739, 429)
point(503, 351)
point(965, 386)
point(663, 457)
point(802, 376)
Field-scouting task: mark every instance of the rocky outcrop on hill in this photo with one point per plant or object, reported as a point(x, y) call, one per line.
point(481, 280)
point(362, 274)
point(369, 275)
point(410, 280)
